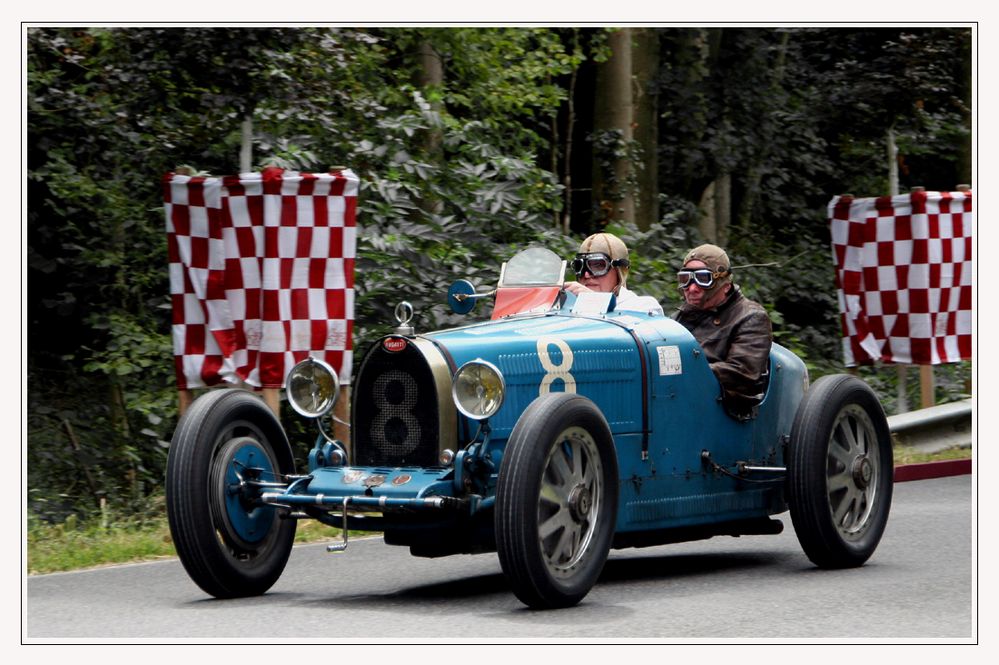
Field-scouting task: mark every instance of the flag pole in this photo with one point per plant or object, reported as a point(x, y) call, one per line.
point(185, 396)
point(902, 400)
point(926, 380)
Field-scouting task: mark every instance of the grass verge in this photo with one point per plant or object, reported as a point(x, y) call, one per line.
point(912, 456)
point(74, 545)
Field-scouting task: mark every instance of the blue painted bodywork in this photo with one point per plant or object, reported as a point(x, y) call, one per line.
point(649, 378)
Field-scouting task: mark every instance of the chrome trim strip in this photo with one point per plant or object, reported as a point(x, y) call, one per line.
point(447, 413)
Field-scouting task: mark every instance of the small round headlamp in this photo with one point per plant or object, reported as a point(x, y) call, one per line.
point(478, 389)
point(312, 388)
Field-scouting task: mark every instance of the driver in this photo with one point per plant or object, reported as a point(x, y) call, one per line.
point(734, 331)
point(602, 265)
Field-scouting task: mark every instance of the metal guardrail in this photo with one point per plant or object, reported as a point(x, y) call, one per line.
point(936, 428)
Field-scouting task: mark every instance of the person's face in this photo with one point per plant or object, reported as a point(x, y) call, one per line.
point(605, 283)
point(695, 296)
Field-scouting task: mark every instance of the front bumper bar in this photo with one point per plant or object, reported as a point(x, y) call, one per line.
point(360, 501)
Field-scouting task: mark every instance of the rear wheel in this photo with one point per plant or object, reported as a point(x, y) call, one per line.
point(230, 544)
point(556, 501)
point(840, 472)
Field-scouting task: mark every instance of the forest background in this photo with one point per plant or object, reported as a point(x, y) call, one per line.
point(469, 143)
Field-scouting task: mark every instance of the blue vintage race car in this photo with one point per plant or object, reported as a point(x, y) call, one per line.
point(557, 430)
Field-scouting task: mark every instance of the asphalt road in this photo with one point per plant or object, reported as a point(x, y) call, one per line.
point(917, 586)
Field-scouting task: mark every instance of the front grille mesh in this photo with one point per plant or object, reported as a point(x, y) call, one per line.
point(395, 411)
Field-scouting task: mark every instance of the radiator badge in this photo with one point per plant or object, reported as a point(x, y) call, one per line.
point(352, 476)
point(394, 344)
point(402, 480)
point(374, 481)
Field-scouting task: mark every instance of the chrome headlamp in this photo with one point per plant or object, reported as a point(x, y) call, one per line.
point(478, 389)
point(312, 388)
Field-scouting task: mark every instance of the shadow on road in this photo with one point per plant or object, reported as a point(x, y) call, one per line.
point(673, 566)
point(625, 570)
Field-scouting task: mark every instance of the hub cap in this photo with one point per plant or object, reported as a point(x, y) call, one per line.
point(243, 523)
point(579, 502)
point(863, 472)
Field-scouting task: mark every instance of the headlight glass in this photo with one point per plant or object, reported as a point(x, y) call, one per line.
point(312, 388)
point(478, 389)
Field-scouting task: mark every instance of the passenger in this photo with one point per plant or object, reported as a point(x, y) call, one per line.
point(734, 332)
point(602, 265)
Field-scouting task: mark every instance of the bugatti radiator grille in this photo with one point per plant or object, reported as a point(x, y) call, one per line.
point(396, 418)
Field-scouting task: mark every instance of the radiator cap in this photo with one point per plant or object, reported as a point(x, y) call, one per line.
point(403, 315)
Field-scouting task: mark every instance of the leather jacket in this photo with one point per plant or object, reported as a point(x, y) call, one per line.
point(736, 337)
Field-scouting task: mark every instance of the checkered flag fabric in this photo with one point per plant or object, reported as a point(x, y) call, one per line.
point(904, 277)
point(261, 274)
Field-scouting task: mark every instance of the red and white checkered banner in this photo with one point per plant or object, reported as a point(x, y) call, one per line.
point(261, 274)
point(904, 277)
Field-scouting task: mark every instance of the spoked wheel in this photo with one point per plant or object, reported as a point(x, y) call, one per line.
point(840, 472)
point(230, 544)
point(556, 501)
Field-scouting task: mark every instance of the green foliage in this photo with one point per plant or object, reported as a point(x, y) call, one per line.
point(508, 77)
point(610, 146)
point(489, 204)
point(93, 438)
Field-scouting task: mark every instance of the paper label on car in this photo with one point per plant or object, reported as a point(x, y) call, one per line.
point(669, 360)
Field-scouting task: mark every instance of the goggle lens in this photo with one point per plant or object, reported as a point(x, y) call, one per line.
point(702, 277)
point(597, 265)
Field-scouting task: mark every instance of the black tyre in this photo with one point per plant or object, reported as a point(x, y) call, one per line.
point(230, 545)
point(556, 501)
point(840, 472)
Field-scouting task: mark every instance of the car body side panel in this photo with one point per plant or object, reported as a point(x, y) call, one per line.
point(664, 482)
point(676, 487)
point(671, 486)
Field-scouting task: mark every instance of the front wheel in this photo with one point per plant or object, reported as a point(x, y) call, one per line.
point(556, 501)
point(840, 472)
point(230, 544)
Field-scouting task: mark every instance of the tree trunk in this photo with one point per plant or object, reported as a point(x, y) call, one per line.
point(570, 128)
point(707, 221)
point(645, 62)
point(429, 79)
point(614, 112)
point(723, 208)
point(754, 173)
point(716, 210)
point(246, 145)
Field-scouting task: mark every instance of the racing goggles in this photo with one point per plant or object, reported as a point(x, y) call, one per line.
point(597, 264)
point(703, 277)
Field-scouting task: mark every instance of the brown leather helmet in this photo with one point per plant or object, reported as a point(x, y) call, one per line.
point(612, 246)
point(715, 258)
